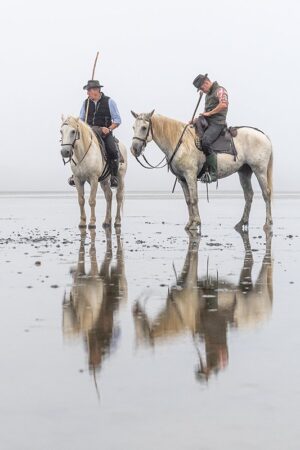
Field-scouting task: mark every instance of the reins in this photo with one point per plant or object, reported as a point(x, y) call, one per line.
point(144, 141)
point(106, 170)
point(150, 166)
point(77, 137)
point(168, 162)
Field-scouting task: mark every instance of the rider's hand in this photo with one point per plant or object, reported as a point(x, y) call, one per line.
point(105, 130)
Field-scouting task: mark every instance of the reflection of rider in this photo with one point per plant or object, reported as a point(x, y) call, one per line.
point(213, 329)
point(215, 111)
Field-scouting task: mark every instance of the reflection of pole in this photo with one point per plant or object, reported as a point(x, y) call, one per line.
point(93, 75)
point(96, 384)
point(202, 365)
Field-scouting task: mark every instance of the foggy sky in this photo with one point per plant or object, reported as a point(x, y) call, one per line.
point(150, 53)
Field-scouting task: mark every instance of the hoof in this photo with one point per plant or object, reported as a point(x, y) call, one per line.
point(92, 226)
point(268, 227)
point(241, 226)
point(195, 225)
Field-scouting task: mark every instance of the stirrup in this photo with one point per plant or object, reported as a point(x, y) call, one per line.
point(206, 178)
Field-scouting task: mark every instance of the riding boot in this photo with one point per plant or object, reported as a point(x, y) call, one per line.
point(211, 175)
point(114, 167)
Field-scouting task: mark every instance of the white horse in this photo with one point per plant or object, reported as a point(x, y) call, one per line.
point(254, 154)
point(80, 146)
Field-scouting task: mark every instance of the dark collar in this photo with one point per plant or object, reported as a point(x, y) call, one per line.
point(213, 87)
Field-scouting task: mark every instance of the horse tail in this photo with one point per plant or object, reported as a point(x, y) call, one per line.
point(270, 175)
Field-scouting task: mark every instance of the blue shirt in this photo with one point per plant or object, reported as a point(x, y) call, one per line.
point(114, 112)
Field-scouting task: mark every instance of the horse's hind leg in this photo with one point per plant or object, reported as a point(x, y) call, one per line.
point(267, 194)
point(108, 196)
point(120, 199)
point(92, 202)
point(245, 175)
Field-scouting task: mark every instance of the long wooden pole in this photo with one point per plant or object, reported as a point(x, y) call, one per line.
point(93, 75)
point(197, 106)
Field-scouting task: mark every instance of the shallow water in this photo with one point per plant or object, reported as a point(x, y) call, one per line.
point(152, 338)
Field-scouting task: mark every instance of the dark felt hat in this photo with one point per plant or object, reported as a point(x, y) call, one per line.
point(92, 84)
point(199, 80)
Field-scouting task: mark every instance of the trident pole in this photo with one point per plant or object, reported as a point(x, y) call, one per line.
point(93, 75)
point(192, 120)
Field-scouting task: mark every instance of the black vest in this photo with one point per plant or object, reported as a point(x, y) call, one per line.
point(99, 114)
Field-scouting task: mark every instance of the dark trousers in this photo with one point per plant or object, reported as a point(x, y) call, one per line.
point(210, 135)
point(109, 142)
point(111, 146)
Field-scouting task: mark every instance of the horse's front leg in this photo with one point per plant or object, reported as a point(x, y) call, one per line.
point(195, 220)
point(108, 197)
point(187, 200)
point(92, 201)
point(80, 193)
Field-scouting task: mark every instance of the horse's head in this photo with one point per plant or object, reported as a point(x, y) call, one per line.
point(143, 132)
point(69, 136)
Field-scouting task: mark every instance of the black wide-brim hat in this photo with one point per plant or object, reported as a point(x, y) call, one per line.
point(199, 80)
point(92, 84)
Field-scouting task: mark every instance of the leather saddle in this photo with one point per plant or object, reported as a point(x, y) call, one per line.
point(97, 131)
point(223, 144)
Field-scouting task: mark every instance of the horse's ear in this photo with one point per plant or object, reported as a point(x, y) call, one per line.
point(135, 115)
point(149, 115)
point(62, 118)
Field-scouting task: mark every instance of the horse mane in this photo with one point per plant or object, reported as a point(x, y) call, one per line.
point(172, 128)
point(85, 130)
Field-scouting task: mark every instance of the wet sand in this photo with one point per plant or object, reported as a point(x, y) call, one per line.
point(149, 338)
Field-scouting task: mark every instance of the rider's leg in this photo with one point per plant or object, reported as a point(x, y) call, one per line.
point(210, 135)
point(113, 158)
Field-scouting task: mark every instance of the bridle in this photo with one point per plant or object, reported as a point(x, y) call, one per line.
point(145, 142)
point(72, 145)
point(150, 129)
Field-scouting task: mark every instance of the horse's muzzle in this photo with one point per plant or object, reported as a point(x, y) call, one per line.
point(66, 152)
point(137, 148)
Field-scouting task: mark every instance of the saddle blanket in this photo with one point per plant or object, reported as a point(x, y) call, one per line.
point(223, 144)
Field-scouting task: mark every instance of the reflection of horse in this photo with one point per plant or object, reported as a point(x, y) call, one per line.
point(206, 307)
point(94, 298)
